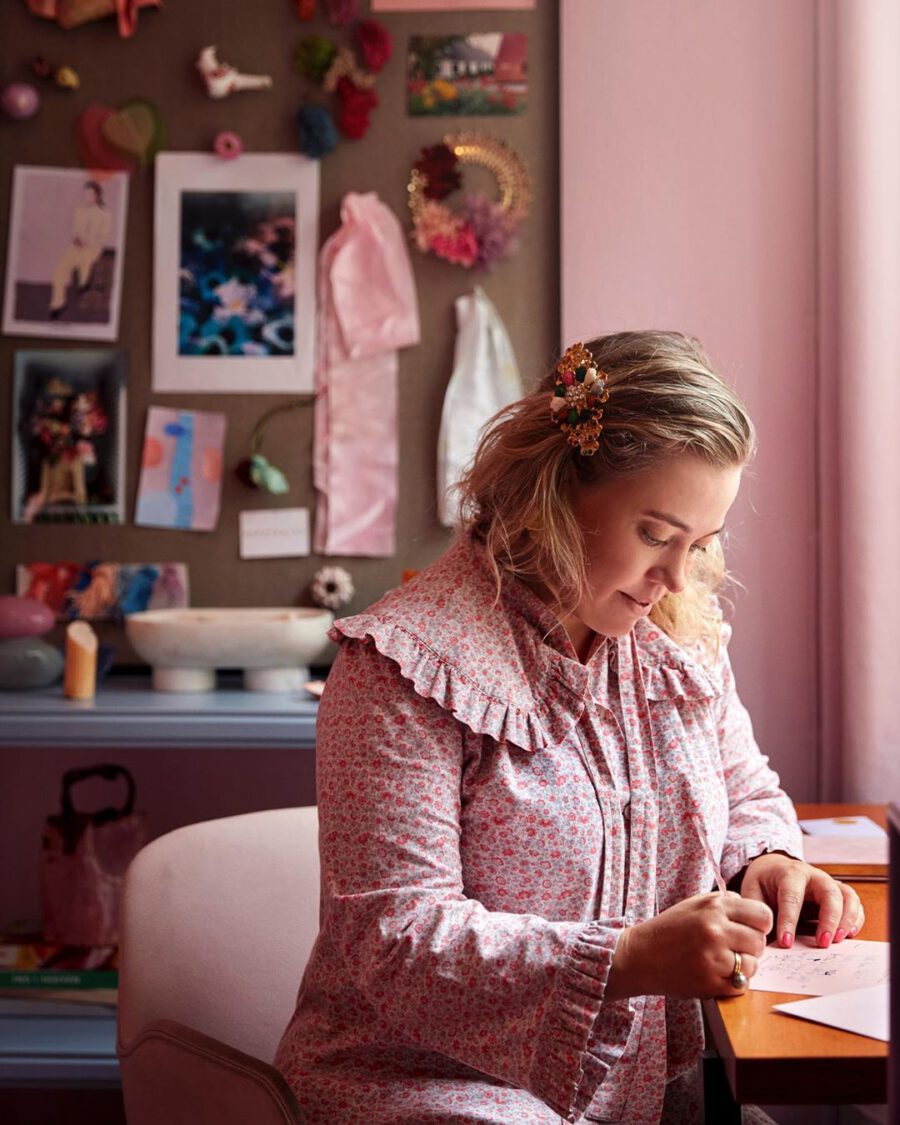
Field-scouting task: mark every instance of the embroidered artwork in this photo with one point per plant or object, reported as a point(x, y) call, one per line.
point(66, 246)
point(181, 469)
point(481, 74)
point(103, 590)
point(234, 286)
point(68, 436)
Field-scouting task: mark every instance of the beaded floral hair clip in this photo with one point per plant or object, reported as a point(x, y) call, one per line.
point(576, 405)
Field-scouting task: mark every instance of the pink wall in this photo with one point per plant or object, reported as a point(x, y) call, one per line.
point(688, 200)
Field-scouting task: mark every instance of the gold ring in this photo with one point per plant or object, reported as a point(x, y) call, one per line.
point(738, 977)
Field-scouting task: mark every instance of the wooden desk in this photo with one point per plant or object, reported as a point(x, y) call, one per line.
point(773, 1059)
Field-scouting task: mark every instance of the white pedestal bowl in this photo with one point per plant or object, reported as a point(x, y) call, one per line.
point(273, 646)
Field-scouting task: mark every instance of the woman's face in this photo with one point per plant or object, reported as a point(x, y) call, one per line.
point(641, 534)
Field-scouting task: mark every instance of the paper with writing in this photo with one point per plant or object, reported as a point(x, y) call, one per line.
point(807, 969)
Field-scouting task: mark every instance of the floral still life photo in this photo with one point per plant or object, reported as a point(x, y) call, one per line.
point(66, 247)
point(68, 436)
point(103, 590)
point(484, 74)
point(234, 273)
point(181, 469)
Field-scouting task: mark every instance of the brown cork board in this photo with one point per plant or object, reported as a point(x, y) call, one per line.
point(158, 63)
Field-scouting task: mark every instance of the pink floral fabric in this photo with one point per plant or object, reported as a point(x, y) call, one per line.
point(492, 814)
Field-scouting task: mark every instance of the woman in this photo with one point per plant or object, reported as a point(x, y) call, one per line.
point(527, 757)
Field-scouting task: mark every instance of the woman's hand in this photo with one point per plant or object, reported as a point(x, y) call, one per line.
point(688, 950)
point(785, 884)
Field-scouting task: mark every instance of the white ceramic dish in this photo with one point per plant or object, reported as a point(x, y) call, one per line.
point(273, 646)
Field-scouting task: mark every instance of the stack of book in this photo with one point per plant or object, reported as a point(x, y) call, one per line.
point(40, 970)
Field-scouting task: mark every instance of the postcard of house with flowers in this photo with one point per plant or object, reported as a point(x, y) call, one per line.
point(234, 282)
point(480, 74)
point(68, 436)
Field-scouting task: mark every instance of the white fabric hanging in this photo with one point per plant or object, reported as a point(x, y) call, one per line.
point(485, 379)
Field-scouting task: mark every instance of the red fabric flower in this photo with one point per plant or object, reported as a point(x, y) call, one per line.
point(440, 167)
point(375, 43)
point(355, 107)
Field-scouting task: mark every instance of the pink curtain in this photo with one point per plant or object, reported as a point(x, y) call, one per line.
point(859, 404)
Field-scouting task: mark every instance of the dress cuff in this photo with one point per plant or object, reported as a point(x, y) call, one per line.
point(735, 857)
point(566, 1073)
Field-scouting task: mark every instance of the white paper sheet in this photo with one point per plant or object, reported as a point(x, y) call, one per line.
point(862, 1010)
point(842, 826)
point(822, 972)
point(845, 849)
point(274, 533)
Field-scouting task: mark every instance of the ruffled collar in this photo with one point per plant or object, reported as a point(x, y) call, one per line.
point(506, 667)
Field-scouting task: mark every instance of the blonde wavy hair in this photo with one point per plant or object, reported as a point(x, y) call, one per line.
point(664, 400)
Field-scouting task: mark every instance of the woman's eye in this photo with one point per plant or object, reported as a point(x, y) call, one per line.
point(652, 540)
point(697, 549)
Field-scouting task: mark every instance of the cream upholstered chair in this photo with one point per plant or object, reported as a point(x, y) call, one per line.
point(218, 920)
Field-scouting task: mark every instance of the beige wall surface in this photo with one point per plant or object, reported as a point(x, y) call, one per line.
point(158, 63)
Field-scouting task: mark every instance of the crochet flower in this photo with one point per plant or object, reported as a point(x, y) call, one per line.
point(433, 221)
point(440, 167)
point(494, 229)
point(316, 134)
point(460, 248)
point(340, 12)
point(332, 587)
point(356, 106)
point(228, 146)
point(374, 43)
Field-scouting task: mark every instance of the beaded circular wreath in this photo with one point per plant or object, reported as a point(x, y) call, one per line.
point(484, 231)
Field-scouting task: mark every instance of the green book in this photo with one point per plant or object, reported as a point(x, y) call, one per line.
point(59, 978)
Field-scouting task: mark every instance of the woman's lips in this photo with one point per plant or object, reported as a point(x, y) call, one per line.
point(637, 606)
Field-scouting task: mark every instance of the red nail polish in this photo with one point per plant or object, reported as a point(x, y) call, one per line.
point(825, 939)
point(787, 939)
point(853, 932)
point(839, 935)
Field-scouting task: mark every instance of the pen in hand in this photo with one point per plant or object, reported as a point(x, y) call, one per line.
point(704, 840)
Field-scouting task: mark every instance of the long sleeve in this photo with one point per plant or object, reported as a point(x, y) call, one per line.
point(761, 815)
point(514, 996)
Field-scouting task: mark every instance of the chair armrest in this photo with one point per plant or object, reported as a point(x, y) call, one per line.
point(174, 1074)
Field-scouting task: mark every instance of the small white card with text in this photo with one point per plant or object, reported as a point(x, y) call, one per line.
point(274, 533)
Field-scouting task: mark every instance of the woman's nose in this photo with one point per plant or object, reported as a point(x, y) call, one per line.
point(673, 574)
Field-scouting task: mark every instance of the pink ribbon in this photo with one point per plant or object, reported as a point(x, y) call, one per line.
point(367, 311)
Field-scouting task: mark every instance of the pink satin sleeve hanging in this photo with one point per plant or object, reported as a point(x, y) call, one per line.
point(367, 310)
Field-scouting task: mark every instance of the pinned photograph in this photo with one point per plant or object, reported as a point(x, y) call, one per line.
point(484, 74)
point(103, 591)
point(68, 436)
point(181, 469)
point(234, 285)
point(66, 249)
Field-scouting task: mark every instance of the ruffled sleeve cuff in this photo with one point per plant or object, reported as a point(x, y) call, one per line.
point(581, 1037)
point(736, 856)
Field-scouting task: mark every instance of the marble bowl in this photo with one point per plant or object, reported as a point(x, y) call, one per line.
point(274, 647)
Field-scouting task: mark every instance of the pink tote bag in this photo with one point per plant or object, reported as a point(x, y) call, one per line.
point(83, 861)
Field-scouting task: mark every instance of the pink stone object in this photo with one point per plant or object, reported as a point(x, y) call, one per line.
point(24, 617)
point(19, 100)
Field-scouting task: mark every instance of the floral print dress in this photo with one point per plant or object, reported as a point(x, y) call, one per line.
point(493, 812)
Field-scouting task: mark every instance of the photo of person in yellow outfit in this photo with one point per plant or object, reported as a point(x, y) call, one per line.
point(66, 253)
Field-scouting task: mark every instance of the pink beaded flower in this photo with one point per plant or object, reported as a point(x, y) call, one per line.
point(228, 146)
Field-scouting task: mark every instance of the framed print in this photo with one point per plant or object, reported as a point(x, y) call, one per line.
point(68, 436)
point(235, 272)
point(66, 247)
